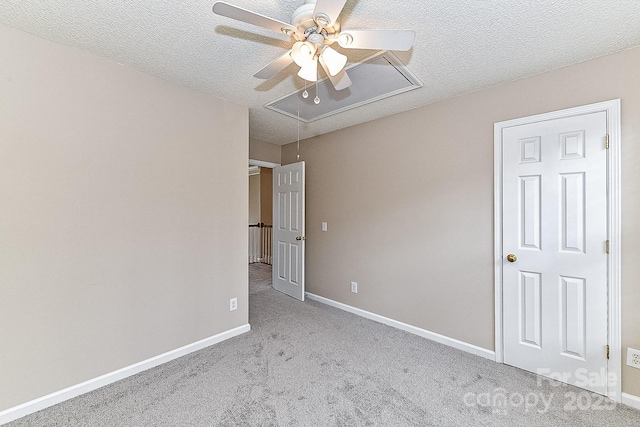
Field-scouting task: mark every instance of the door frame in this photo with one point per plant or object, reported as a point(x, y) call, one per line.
point(612, 108)
point(263, 164)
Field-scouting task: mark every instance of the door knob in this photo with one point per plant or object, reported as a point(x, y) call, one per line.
point(512, 258)
point(300, 238)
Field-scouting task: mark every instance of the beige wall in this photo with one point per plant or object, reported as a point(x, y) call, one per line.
point(254, 199)
point(266, 196)
point(409, 203)
point(123, 216)
point(264, 151)
point(261, 197)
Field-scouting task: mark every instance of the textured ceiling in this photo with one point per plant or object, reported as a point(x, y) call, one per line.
point(461, 45)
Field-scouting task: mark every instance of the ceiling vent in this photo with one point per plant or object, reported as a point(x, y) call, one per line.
point(377, 77)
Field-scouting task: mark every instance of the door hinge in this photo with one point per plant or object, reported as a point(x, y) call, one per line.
point(607, 246)
point(606, 143)
point(607, 351)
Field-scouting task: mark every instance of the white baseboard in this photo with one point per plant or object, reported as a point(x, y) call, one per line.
point(630, 400)
point(43, 402)
point(442, 339)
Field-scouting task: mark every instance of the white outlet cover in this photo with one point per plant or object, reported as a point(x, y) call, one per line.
point(324, 226)
point(633, 357)
point(354, 287)
point(233, 304)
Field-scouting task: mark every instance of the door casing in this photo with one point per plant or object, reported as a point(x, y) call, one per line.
point(612, 108)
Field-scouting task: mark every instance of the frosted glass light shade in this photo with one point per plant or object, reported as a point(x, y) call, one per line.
point(303, 53)
point(334, 60)
point(310, 71)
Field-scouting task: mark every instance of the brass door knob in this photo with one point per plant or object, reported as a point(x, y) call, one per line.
point(512, 258)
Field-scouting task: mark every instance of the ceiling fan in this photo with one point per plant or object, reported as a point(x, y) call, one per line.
point(315, 27)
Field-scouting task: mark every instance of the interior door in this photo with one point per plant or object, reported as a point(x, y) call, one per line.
point(288, 229)
point(554, 243)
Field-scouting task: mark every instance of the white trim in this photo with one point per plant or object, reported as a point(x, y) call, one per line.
point(442, 339)
point(612, 108)
point(614, 127)
point(254, 170)
point(263, 164)
point(43, 402)
point(631, 401)
point(497, 240)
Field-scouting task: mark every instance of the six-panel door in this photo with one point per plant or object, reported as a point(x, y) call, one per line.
point(288, 230)
point(555, 223)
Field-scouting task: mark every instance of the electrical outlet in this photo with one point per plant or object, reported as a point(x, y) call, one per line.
point(633, 358)
point(324, 226)
point(233, 304)
point(354, 287)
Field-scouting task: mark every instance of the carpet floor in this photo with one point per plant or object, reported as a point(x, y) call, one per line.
point(308, 364)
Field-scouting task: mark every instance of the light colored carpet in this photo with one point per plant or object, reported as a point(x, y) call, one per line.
point(259, 278)
point(307, 364)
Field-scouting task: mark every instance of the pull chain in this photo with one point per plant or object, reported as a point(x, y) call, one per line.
point(317, 98)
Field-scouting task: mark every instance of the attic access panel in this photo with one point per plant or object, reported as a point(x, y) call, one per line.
point(377, 77)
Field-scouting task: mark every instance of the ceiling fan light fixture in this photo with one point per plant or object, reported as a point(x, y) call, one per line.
point(309, 71)
point(334, 60)
point(315, 25)
point(303, 53)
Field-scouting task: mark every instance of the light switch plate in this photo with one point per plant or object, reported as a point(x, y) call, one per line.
point(324, 226)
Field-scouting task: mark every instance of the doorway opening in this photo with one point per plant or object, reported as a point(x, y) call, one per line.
point(260, 227)
point(260, 212)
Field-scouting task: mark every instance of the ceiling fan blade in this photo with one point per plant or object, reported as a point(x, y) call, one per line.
point(339, 81)
point(273, 67)
point(377, 39)
point(244, 15)
point(330, 9)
